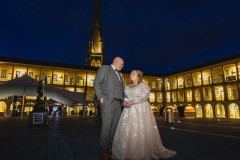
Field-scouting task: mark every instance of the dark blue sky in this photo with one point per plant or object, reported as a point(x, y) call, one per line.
point(155, 36)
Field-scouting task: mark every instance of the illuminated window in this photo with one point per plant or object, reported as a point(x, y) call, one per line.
point(188, 80)
point(174, 96)
point(217, 75)
point(159, 84)
point(230, 73)
point(189, 95)
point(145, 80)
point(219, 93)
point(232, 92)
point(180, 82)
point(197, 94)
point(208, 111)
point(93, 63)
point(199, 111)
point(30, 74)
point(152, 97)
point(54, 77)
point(168, 97)
point(3, 107)
point(90, 80)
point(189, 111)
point(167, 85)
point(197, 80)
point(207, 94)
point(233, 110)
point(159, 97)
point(66, 78)
point(220, 111)
point(181, 96)
point(77, 79)
point(153, 85)
point(3, 73)
point(206, 76)
point(17, 73)
point(72, 82)
point(173, 82)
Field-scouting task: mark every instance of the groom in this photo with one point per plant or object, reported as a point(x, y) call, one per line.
point(109, 87)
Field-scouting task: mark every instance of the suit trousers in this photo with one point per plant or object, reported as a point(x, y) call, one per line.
point(110, 117)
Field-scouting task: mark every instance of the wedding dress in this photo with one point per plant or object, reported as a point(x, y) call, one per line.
point(137, 136)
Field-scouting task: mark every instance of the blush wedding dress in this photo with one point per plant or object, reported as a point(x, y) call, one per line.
point(137, 136)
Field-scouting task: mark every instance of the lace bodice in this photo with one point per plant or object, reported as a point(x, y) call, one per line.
point(139, 94)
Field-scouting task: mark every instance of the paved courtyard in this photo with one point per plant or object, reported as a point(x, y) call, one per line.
point(67, 138)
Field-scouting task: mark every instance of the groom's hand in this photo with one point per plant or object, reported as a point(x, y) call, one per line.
point(101, 100)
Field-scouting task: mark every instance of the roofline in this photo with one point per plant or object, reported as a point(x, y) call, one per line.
point(213, 62)
point(62, 65)
point(45, 63)
point(90, 68)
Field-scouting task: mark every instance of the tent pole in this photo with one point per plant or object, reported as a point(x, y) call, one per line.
point(23, 98)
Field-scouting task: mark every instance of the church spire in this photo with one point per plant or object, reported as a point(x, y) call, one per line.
point(95, 47)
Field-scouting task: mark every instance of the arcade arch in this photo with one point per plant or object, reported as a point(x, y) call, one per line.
point(208, 110)
point(233, 110)
point(220, 111)
point(199, 111)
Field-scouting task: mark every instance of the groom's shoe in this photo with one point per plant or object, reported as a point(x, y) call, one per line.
point(104, 156)
point(109, 152)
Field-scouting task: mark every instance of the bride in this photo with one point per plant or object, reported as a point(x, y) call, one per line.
point(137, 136)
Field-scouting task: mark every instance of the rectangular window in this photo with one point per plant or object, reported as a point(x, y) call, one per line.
point(72, 81)
point(4, 73)
point(159, 97)
point(77, 79)
point(17, 74)
point(230, 73)
point(66, 78)
point(30, 74)
point(43, 75)
point(152, 97)
point(54, 77)
point(197, 95)
point(188, 80)
point(37, 77)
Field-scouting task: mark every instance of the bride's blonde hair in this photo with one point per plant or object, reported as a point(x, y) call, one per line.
point(139, 75)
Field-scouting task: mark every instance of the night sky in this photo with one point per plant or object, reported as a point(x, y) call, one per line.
point(156, 36)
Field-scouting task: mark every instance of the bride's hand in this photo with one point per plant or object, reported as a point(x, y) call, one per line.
point(128, 104)
point(125, 104)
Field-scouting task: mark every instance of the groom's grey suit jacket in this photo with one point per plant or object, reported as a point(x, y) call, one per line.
point(107, 85)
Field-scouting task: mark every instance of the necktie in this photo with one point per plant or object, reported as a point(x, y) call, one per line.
point(118, 74)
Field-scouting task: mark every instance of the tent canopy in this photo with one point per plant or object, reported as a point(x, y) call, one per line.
point(27, 86)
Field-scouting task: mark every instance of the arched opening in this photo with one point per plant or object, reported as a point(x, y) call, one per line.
point(220, 111)
point(208, 111)
point(181, 110)
point(98, 63)
point(3, 108)
point(15, 110)
point(199, 111)
point(189, 111)
point(28, 107)
point(154, 108)
point(233, 110)
point(174, 110)
point(91, 109)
